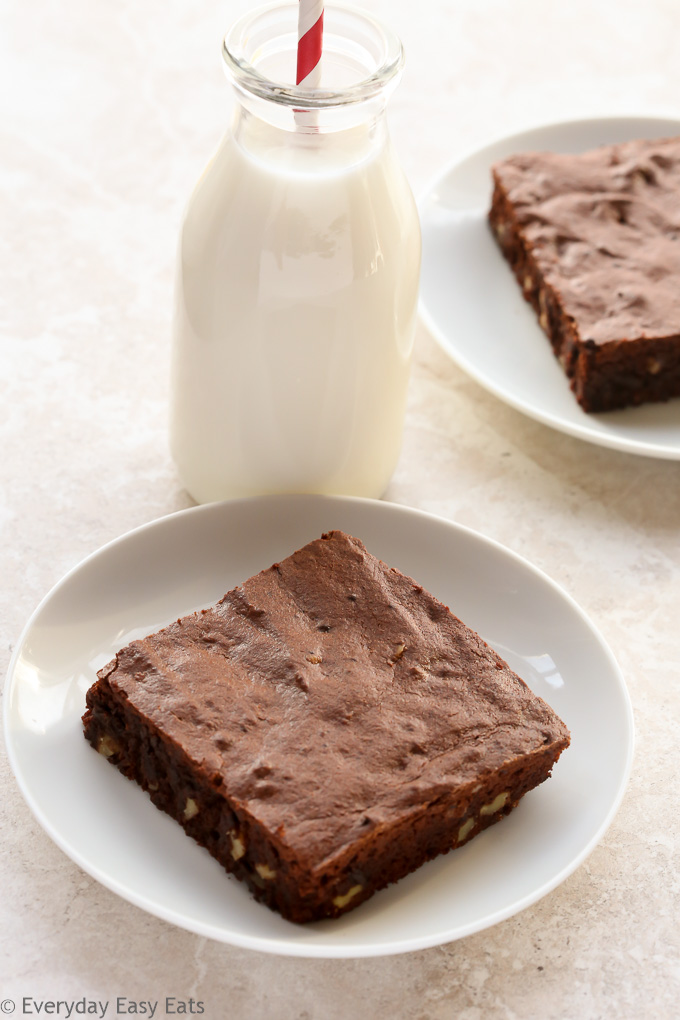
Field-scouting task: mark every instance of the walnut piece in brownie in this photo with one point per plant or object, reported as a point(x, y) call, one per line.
point(594, 241)
point(324, 729)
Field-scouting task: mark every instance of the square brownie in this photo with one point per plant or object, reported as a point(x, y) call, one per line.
point(594, 241)
point(324, 729)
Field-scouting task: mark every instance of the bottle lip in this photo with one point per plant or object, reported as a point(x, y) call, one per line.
point(255, 33)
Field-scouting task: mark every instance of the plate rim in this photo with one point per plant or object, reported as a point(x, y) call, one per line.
point(305, 948)
point(583, 431)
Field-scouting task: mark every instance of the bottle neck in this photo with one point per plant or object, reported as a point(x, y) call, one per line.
point(298, 140)
point(360, 65)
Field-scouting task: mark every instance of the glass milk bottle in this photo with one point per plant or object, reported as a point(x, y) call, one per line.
point(298, 274)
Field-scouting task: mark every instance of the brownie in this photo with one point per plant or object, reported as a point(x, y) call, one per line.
point(324, 729)
point(594, 241)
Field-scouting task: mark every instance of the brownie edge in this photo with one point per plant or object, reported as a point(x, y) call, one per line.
point(324, 729)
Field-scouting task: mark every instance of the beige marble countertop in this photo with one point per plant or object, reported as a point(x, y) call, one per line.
point(109, 113)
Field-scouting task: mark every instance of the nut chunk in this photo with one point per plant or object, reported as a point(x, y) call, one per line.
point(324, 729)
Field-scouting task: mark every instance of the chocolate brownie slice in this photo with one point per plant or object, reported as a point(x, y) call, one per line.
point(324, 729)
point(594, 241)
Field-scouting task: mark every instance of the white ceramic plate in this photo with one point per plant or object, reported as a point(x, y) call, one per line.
point(472, 304)
point(187, 560)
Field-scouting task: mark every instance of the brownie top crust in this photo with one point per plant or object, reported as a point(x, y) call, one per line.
point(604, 229)
point(331, 693)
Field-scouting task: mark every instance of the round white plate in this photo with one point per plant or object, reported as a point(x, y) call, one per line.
point(187, 560)
point(471, 302)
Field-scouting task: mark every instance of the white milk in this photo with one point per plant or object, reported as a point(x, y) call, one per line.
point(295, 312)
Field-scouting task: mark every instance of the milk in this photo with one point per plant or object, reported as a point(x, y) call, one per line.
point(296, 299)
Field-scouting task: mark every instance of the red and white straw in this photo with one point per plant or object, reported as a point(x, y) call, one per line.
point(310, 38)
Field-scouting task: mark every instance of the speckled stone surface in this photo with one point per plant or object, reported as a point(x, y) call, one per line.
point(109, 113)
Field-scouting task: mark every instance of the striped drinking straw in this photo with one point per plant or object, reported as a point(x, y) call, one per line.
point(310, 36)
